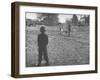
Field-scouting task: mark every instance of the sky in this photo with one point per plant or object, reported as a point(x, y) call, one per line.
point(62, 17)
point(31, 15)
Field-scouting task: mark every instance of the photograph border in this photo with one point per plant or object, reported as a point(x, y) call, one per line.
point(15, 32)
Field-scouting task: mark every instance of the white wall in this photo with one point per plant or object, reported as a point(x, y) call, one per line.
point(5, 41)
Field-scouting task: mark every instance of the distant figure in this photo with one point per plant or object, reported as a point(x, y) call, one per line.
point(60, 27)
point(42, 46)
point(69, 29)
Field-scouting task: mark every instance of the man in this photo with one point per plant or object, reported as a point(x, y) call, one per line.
point(42, 46)
point(69, 29)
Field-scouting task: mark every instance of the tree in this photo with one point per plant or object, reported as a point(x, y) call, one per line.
point(87, 20)
point(75, 20)
point(29, 22)
point(48, 19)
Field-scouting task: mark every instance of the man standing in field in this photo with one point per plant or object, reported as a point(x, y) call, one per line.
point(42, 46)
point(69, 29)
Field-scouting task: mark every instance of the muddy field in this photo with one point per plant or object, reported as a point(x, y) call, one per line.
point(62, 49)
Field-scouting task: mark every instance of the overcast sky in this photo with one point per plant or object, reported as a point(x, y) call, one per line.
point(62, 18)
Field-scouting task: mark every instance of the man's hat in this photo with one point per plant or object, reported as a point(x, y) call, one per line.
point(42, 29)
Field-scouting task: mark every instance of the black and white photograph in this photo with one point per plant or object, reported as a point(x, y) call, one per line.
point(51, 39)
point(56, 39)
